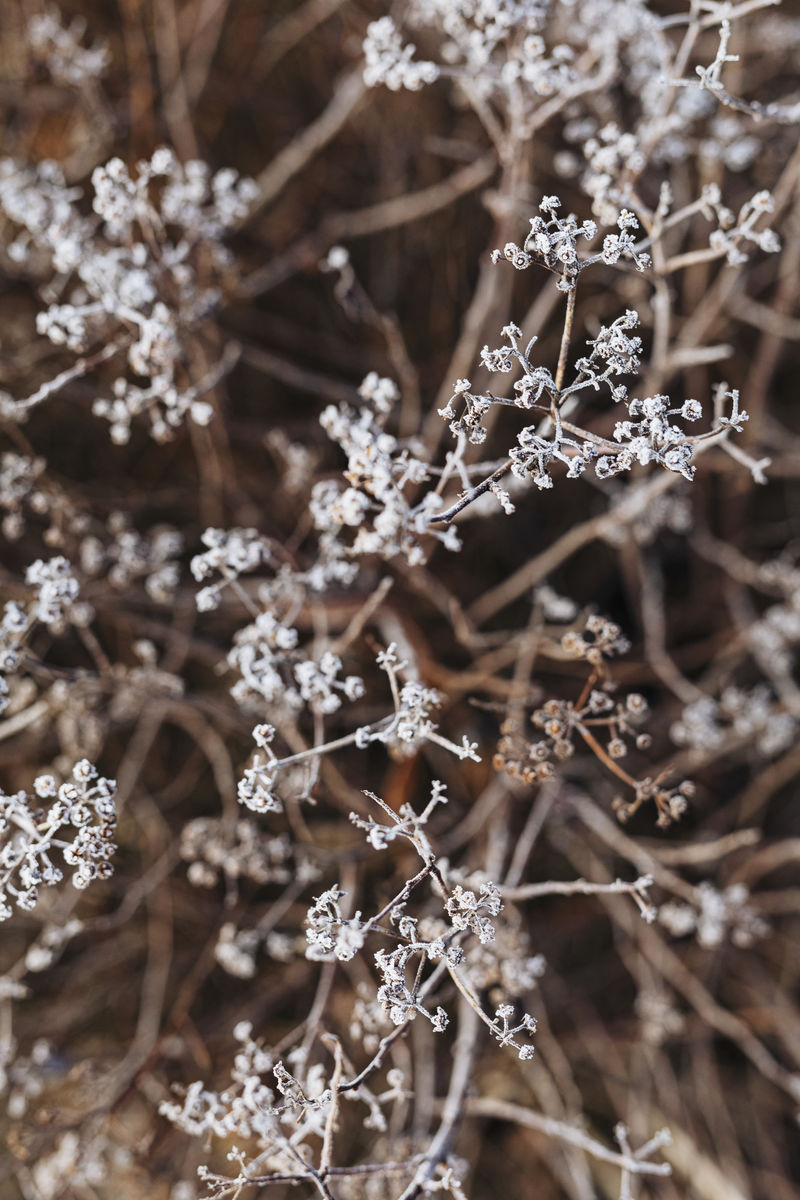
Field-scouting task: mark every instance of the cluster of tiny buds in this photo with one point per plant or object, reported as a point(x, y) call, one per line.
point(391, 63)
point(137, 282)
point(715, 914)
point(552, 242)
point(506, 1033)
point(54, 604)
point(213, 849)
point(600, 639)
point(56, 592)
point(518, 758)
point(566, 724)
point(671, 803)
point(561, 721)
point(57, 48)
point(30, 834)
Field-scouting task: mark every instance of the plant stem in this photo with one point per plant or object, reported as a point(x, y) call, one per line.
point(565, 337)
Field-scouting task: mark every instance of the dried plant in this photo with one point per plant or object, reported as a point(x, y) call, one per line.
point(412, 545)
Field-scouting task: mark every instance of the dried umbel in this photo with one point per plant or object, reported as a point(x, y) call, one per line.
point(58, 47)
point(72, 823)
point(139, 279)
point(649, 436)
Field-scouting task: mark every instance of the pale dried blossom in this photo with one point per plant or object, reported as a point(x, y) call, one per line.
point(716, 915)
point(739, 716)
point(235, 951)
point(57, 47)
point(57, 591)
point(391, 63)
point(329, 933)
point(214, 851)
point(133, 284)
point(467, 910)
point(74, 822)
point(380, 470)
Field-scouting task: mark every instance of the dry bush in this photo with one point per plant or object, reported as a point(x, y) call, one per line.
point(401, 599)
